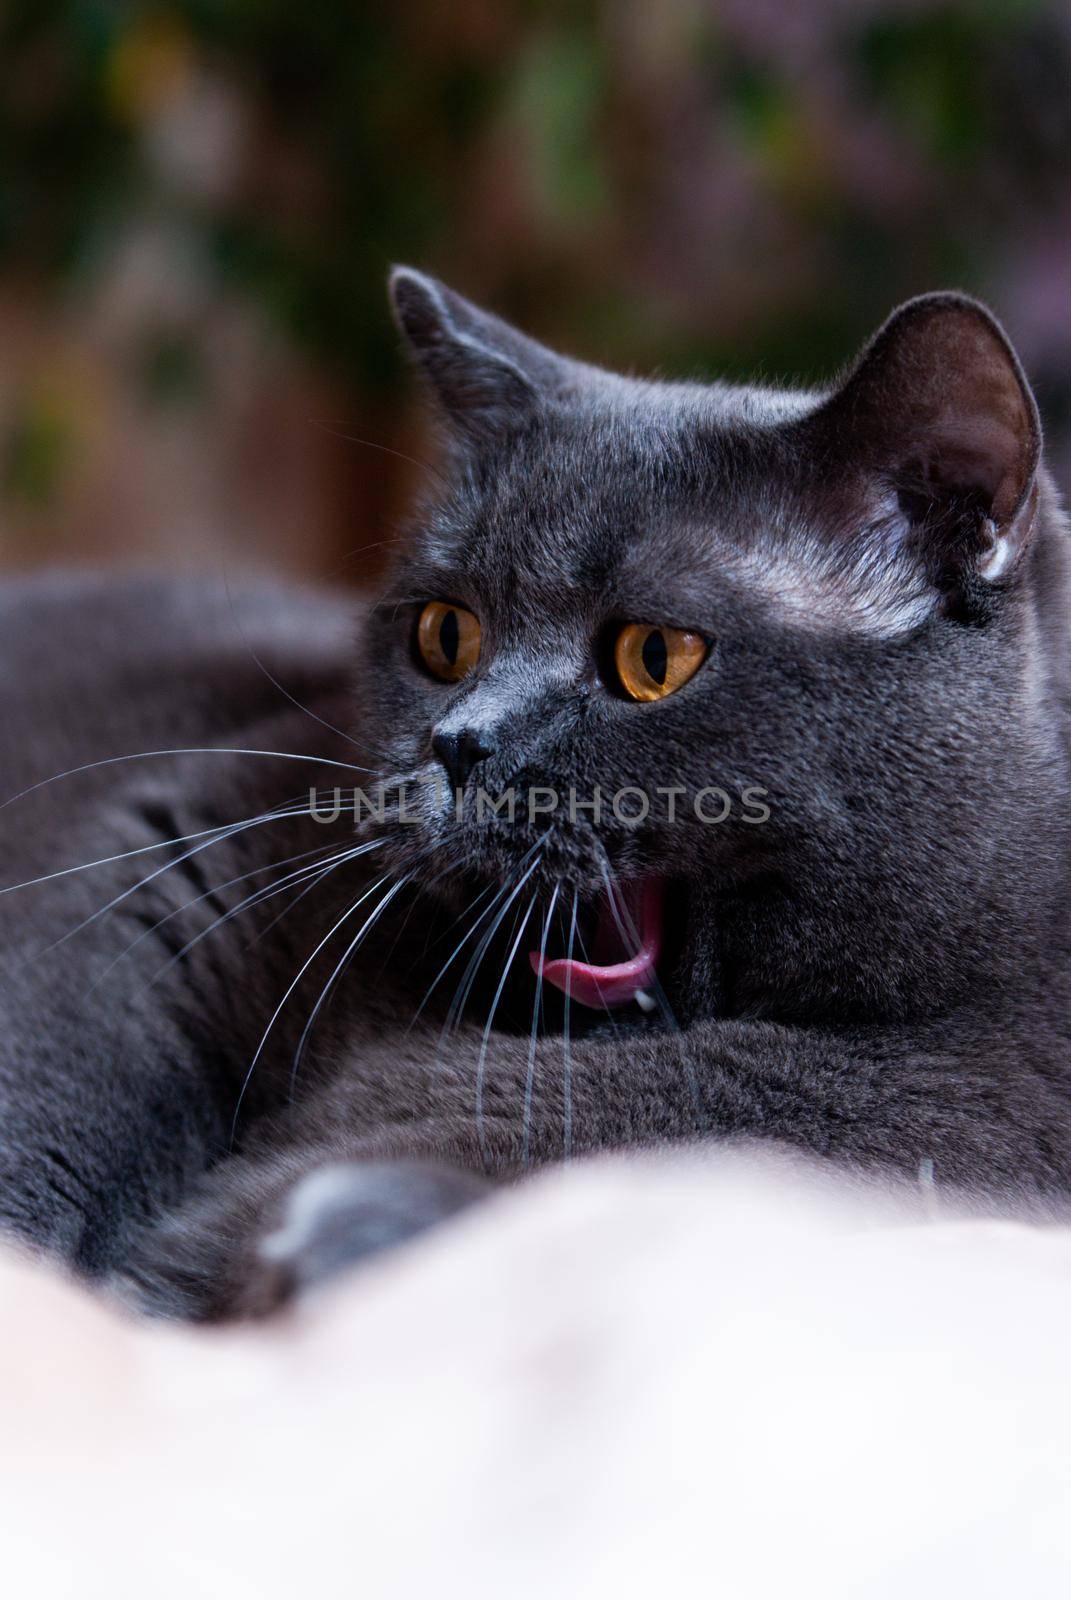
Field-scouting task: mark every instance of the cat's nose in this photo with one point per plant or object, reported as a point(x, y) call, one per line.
point(460, 752)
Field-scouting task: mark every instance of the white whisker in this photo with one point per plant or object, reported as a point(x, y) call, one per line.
point(486, 912)
point(529, 1082)
point(290, 989)
point(466, 936)
point(141, 850)
point(191, 750)
point(484, 1151)
point(631, 935)
point(453, 1016)
point(351, 949)
point(229, 832)
point(567, 1064)
point(187, 905)
point(659, 993)
point(315, 874)
point(294, 701)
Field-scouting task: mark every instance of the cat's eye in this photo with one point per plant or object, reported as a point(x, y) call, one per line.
point(652, 662)
point(448, 638)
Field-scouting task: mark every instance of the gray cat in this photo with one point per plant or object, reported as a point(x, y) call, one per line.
point(750, 714)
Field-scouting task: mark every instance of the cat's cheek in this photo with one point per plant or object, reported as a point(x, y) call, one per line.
point(695, 982)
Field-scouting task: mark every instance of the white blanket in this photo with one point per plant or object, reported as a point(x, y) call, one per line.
point(674, 1377)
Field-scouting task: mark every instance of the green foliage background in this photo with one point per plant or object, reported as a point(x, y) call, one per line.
point(727, 188)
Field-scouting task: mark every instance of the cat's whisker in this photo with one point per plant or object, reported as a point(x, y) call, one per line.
point(315, 877)
point(486, 912)
point(306, 879)
point(431, 943)
point(350, 951)
point(425, 888)
point(221, 828)
point(461, 994)
point(614, 895)
point(230, 831)
point(315, 874)
point(631, 936)
point(464, 989)
point(189, 750)
point(529, 1082)
point(586, 954)
point(294, 701)
point(242, 877)
point(567, 1062)
point(387, 450)
point(348, 560)
point(342, 920)
point(481, 1062)
point(465, 937)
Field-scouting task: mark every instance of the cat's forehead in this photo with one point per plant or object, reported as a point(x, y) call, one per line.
point(665, 476)
point(677, 504)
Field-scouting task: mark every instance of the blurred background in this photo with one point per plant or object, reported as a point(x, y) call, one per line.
point(199, 201)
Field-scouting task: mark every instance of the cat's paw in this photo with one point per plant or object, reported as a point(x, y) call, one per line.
point(341, 1213)
point(243, 1251)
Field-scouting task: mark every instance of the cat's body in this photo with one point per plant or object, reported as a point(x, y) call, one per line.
point(112, 1096)
point(880, 972)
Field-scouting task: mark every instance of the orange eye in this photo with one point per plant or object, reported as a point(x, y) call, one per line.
point(653, 662)
point(449, 640)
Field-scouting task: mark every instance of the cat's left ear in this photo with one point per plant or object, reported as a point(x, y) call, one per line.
point(939, 407)
point(489, 378)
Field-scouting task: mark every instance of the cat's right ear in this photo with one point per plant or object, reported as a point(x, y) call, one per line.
point(937, 407)
point(489, 378)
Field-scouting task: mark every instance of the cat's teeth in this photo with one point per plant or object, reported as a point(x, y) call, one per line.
point(645, 1001)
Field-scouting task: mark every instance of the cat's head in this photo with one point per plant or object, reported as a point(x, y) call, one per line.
point(817, 617)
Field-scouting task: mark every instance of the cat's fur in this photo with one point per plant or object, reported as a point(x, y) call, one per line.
point(879, 973)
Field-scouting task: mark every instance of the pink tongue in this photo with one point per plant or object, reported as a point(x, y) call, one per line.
point(618, 984)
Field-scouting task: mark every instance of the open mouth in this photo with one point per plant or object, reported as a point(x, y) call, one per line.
point(627, 945)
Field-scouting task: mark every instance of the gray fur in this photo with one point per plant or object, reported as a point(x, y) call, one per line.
point(878, 975)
